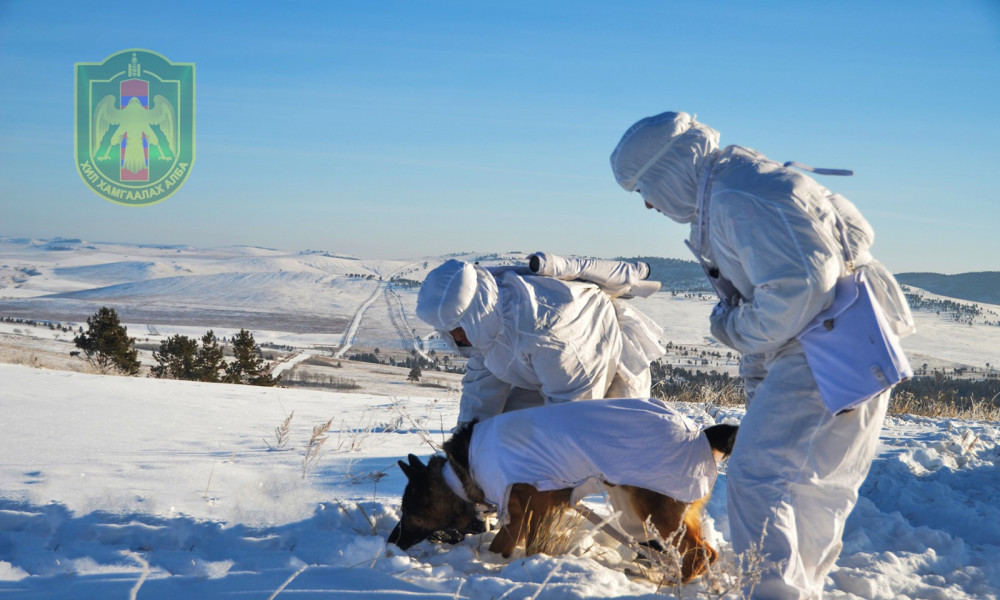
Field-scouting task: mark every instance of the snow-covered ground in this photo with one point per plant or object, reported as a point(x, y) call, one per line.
point(114, 487)
point(164, 489)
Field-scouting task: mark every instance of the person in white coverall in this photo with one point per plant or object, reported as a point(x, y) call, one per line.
point(772, 234)
point(530, 339)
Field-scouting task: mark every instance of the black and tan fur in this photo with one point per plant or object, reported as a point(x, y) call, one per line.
point(430, 508)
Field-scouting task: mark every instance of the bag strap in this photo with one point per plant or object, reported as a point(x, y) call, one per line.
point(819, 170)
point(845, 246)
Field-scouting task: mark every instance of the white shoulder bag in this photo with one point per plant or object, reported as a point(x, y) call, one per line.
point(851, 348)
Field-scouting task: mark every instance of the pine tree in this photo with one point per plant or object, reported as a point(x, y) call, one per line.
point(107, 345)
point(248, 365)
point(176, 359)
point(209, 363)
point(415, 374)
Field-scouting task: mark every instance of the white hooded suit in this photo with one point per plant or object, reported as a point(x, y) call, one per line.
point(561, 339)
point(773, 234)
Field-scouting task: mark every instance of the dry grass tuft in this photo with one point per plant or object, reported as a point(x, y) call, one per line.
point(662, 567)
point(315, 443)
point(940, 406)
point(281, 433)
point(727, 394)
point(733, 573)
point(16, 356)
point(559, 533)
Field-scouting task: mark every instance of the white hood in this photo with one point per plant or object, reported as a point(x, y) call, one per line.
point(482, 321)
point(446, 294)
point(461, 294)
point(662, 157)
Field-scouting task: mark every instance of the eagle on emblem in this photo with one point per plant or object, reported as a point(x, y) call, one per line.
point(131, 123)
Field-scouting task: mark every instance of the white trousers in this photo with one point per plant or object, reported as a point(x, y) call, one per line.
point(794, 475)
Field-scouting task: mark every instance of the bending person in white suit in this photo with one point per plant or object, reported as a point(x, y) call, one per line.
point(533, 339)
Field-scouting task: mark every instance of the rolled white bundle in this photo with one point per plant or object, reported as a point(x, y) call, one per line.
point(615, 277)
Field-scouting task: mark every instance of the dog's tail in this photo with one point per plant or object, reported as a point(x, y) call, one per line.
point(722, 437)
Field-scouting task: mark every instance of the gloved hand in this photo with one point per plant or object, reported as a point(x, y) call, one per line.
point(719, 319)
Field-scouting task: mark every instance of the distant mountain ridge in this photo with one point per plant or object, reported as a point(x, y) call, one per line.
point(674, 274)
point(686, 276)
point(142, 262)
point(983, 286)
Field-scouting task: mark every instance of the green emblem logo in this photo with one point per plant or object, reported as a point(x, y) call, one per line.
point(134, 126)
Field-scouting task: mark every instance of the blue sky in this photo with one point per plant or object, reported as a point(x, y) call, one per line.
point(404, 129)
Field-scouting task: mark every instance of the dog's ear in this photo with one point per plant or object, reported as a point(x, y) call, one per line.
point(414, 467)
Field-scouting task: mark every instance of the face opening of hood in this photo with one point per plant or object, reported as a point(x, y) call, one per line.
point(662, 156)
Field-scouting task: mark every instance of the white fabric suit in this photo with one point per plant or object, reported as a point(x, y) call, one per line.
point(566, 446)
point(771, 232)
point(559, 338)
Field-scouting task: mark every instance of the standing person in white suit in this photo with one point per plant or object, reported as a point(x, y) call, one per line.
point(770, 237)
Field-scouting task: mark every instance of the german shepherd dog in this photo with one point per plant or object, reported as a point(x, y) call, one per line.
point(445, 510)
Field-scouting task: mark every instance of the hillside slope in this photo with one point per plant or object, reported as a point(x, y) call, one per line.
point(974, 287)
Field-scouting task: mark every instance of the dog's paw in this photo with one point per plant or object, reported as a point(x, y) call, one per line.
point(446, 536)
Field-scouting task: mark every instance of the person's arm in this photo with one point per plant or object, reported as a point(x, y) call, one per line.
point(791, 264)
point(483, 394)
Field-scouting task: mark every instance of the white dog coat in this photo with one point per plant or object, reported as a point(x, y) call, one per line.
point(635, 442)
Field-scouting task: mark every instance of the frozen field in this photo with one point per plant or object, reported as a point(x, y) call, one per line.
point(128, 487)
point(119, 487)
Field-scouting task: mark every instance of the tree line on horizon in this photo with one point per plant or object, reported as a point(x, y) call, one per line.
point(107, 346)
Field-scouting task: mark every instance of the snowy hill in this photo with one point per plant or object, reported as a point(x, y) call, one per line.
point(167, 489)
point(119, 487)
point(346, 300)
point(226, 287)
point(975, 287)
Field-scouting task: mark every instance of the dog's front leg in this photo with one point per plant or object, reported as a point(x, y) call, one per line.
point(511, 533)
